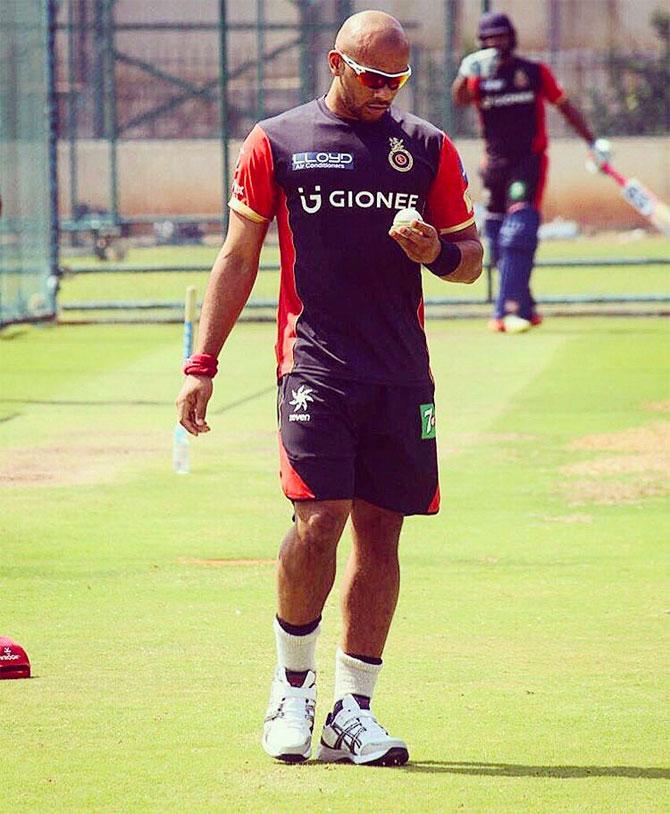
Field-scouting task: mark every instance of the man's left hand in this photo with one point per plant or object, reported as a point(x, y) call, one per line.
point(419, 241)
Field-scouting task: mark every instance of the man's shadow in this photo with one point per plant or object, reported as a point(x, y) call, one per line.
point(517, 770)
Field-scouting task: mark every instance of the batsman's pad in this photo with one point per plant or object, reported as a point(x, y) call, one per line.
point(518, 241)
point(519, 229)
point(14, 661)
point(492, 227)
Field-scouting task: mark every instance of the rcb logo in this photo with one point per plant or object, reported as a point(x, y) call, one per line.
point(521, 79)
point(400, 158)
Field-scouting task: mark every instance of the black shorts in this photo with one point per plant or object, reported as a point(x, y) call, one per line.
point(514, 181)
point(340, 440)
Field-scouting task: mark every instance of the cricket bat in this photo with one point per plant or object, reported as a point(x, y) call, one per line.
point(640, 198)
point(180, 442)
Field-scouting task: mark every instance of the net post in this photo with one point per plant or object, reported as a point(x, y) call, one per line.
point(52, 108)
point(223, 112)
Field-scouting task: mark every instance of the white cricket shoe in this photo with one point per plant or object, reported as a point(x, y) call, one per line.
point(289, 721)
point(515, 324)
point(353, 734)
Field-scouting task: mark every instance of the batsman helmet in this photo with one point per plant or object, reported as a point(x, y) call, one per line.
point(494, 23)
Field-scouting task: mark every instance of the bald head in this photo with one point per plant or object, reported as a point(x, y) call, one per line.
point(374, 38)
point(375, 41)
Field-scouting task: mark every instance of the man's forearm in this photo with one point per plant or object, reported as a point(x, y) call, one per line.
point(460, 92)
point(228, 289)
point(470, 267)
point(576, 120)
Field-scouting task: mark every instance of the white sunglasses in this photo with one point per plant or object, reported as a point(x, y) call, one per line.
point(375, 79)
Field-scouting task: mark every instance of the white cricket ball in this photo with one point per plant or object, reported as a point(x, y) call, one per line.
point(515, 325)
point(403, 217)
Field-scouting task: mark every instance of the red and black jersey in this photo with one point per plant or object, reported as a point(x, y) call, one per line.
point(350, 302)
point(511, 107)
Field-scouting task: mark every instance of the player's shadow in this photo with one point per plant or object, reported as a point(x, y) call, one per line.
point(87, 403)
point(518, 770)
point(12, 332)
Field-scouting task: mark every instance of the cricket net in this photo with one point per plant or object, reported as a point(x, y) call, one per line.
point(28, 245)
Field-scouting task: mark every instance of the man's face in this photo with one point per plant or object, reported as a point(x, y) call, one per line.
point(502, 42)
point(360, 102)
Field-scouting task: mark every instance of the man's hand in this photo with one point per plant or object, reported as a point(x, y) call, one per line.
point(192, 403)
point(419, 241)
point(600, 152)
point(482, 63)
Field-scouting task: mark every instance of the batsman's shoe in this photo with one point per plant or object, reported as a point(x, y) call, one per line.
point(497, 326)
point(354, 735)
point(515, 324)
point(287, 731)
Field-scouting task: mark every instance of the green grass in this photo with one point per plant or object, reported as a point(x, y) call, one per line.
point(547, 281)
point(527, 666)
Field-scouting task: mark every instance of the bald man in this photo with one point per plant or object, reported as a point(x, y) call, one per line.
point(356, 398)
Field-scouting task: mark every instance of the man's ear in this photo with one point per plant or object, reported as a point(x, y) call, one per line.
point(335, 64)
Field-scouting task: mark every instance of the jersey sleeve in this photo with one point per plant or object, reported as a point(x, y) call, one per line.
point(551, 90)
point(448, 204)
point(254, 193)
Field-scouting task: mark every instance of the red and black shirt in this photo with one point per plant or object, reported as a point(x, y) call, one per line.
point(511, 107)
point(350, 302)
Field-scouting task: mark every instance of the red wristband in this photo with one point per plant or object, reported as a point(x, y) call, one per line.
point(201, 364)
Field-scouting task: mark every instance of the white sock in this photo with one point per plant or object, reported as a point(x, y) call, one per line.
point(354, 676)
point(296, 653)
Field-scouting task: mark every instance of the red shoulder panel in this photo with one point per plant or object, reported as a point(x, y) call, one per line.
point(255, 191)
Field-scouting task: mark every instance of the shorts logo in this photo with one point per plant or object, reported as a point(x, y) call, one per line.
point(400, 157)
point(517, 191)
point(427, 413)
point(323, 161)
point(300, 400)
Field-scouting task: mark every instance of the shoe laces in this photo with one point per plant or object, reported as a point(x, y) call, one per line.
point(292, 707)
point(296, 705)
point(362, 722)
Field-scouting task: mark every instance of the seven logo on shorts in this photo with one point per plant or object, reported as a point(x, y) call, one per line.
point(300, 400)
point(427, 413)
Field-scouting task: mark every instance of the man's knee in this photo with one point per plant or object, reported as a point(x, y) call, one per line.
point(320, 526)
point(376, 531)
point(519, 229)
